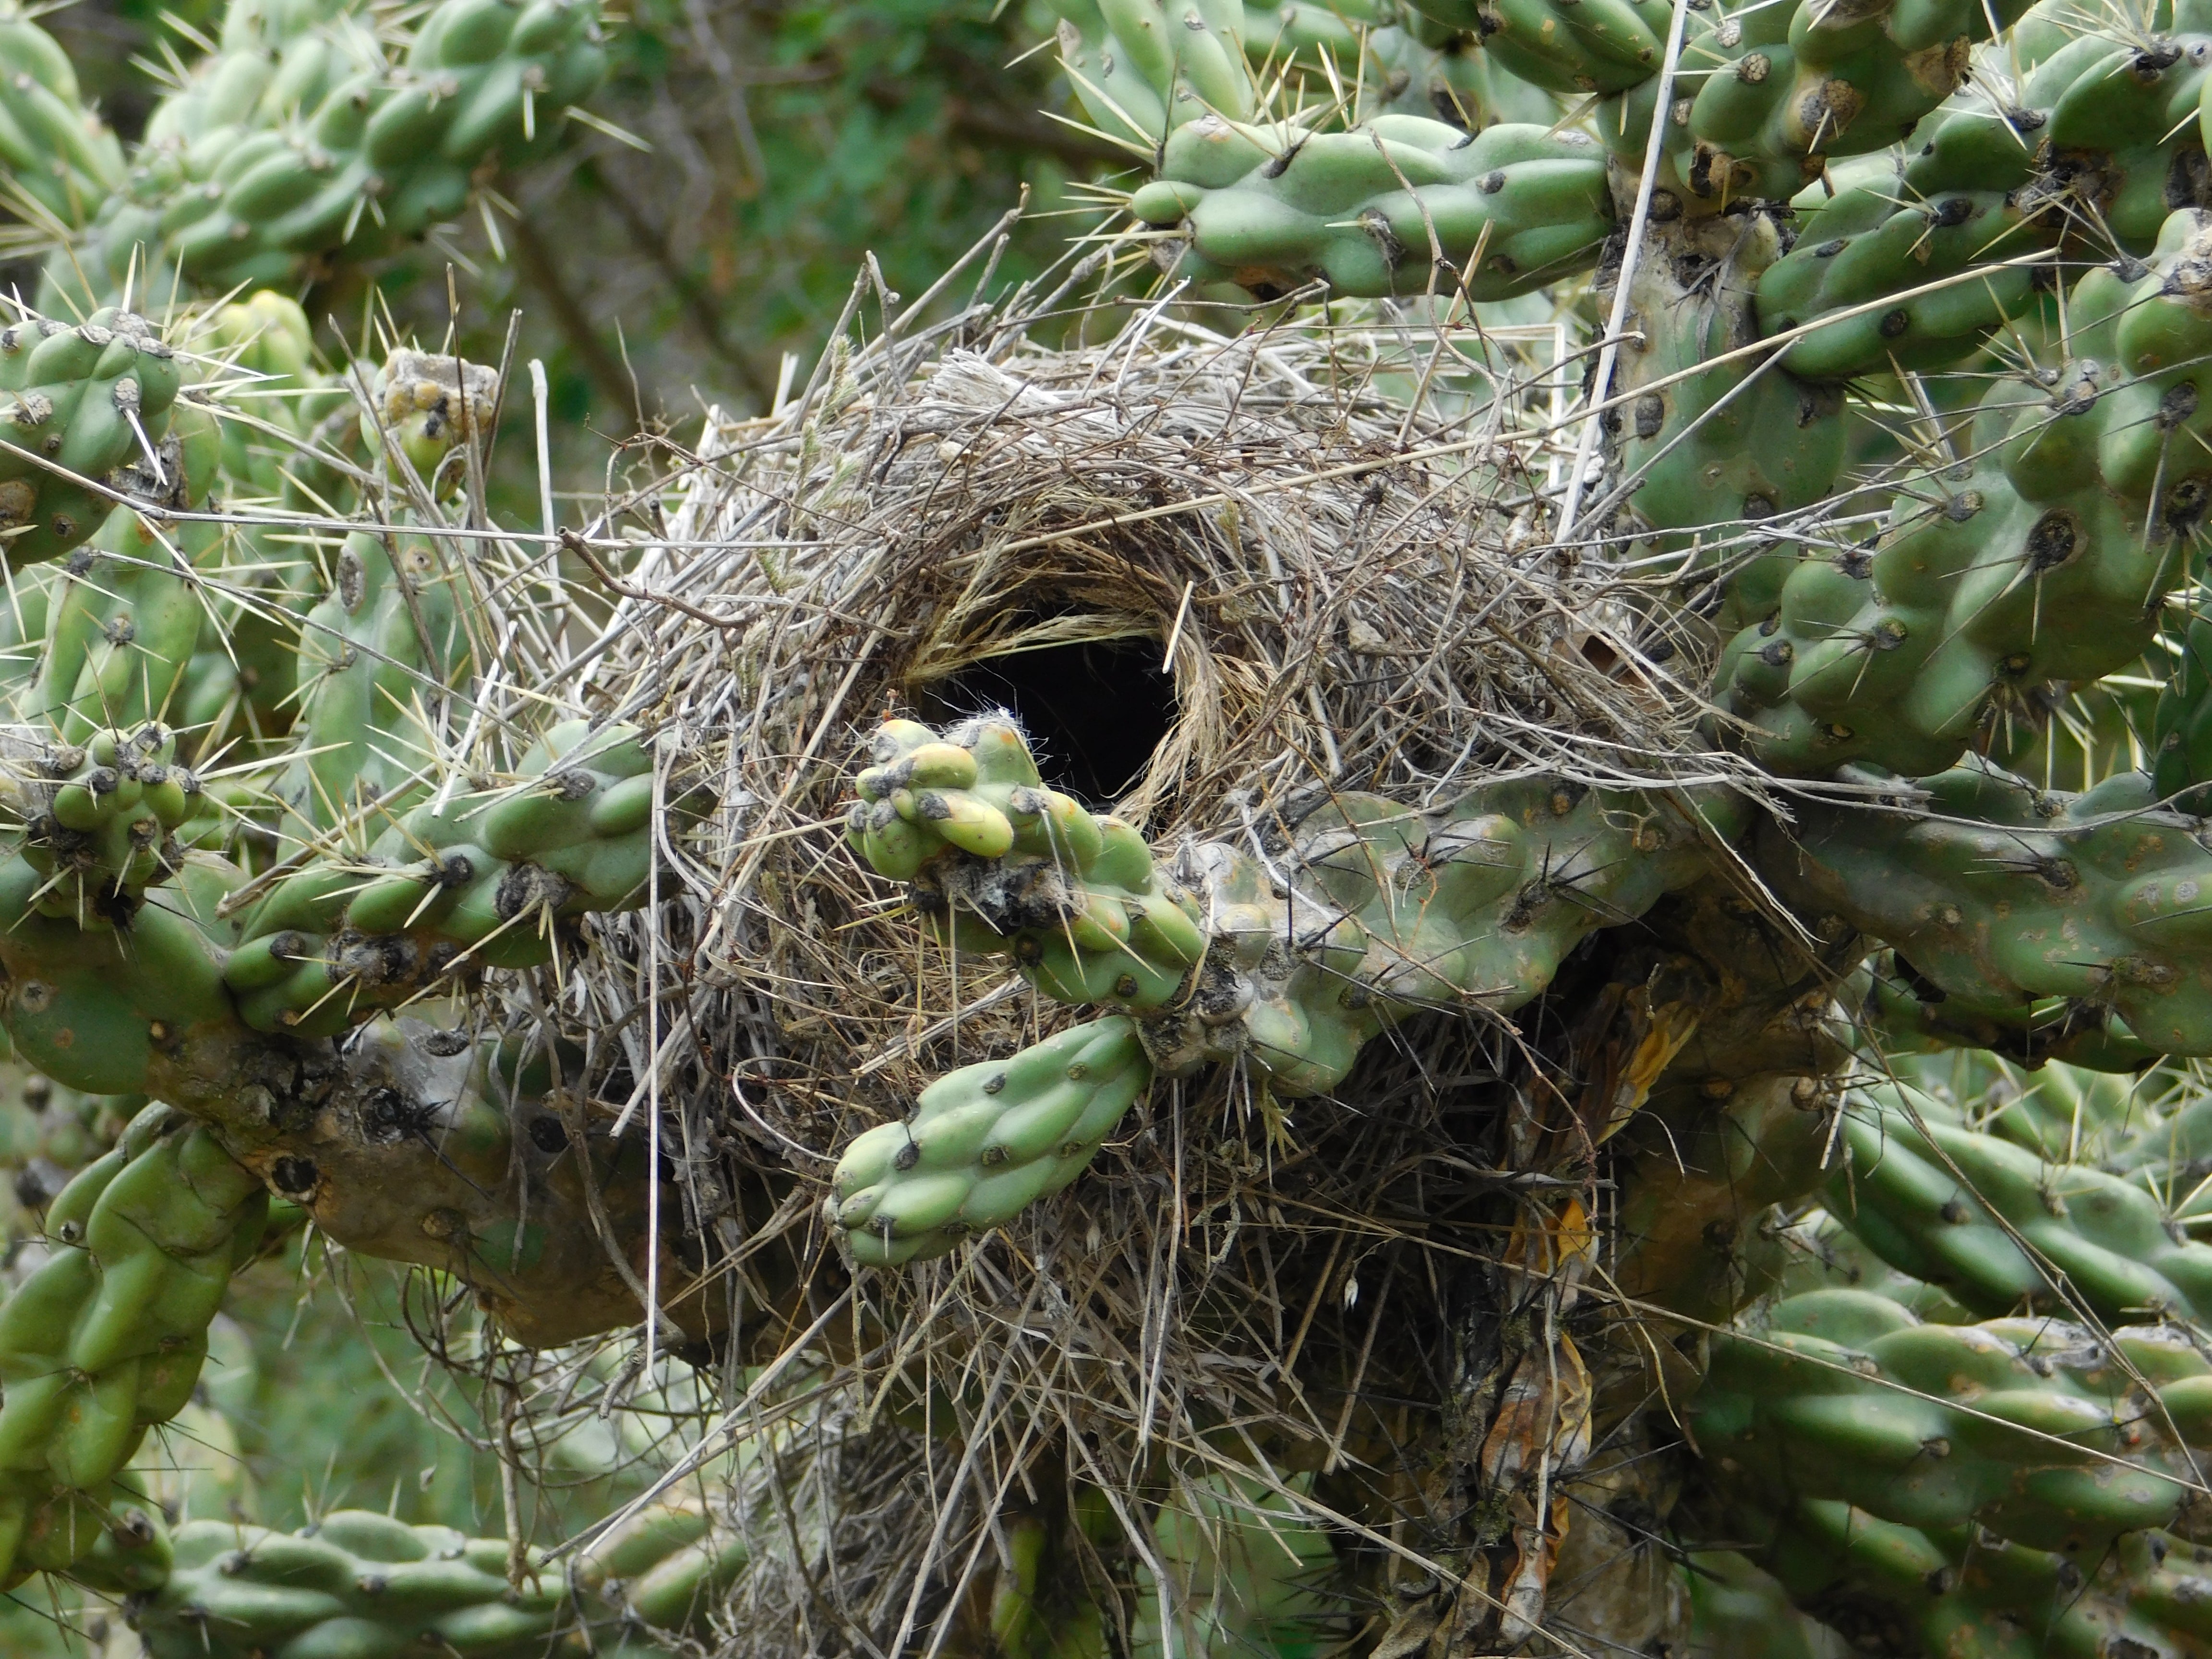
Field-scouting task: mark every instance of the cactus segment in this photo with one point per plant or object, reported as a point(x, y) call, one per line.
point(1998, 1227)
point(245, 668)
point(310, 141)
point(1140, 74)
point(2037, 1431)
point(1400, 205)
point(358, 1583)
point(998, 862)
point(106, 1337)
point(77, 405)
point(1392, 909)
point(101, 820)
point(2000, 895)
point(1743, 440)
point(985, 1143)
point(56, 151)
point(2048, 562)
point(1962, 1589)
point(2084, 163)
point(464, 881)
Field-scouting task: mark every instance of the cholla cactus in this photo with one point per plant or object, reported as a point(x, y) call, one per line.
point(1502, 1149)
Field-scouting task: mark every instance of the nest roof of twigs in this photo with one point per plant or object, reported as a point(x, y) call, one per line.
point(1323, 530)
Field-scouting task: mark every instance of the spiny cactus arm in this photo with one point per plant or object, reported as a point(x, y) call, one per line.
point(288, 450)
point(1820, 1253)
point(106, 1337)
point(1767, 93)
point(986, 1142)
point(2001, 895)
point(1140, 73)
point(2037, 1431)
point(361, 1582)
point(467, 880)
point(2048, 563)
point(260, 166)
point(124, 614)
point(2089, 160)
point(1384, 910)
point(59, 154)
point(2181, 730)
point(1740, 439)
point(1903, 1012)
point(1999, 1227)
point(998, 862)
point(1397, 207)
point(1684, 1222)
point(1763, 99)
point(403, 1141)
point(76, 404)
point(1963, 1590)
point(2061, 1112)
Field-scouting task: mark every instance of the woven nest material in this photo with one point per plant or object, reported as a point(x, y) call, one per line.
point(1338, 575)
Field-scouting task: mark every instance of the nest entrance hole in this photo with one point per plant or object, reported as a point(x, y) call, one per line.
point(1095, 710)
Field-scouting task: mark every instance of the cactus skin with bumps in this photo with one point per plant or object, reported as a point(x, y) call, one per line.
point(106, 1338)
point(1963, 1590)
point(358, 1582)
point(1396, 210)
point(2001, 895)
point(1390, 911)
point(1894, 659)
point(55, 150)
point(77, 404)
point(2032, 1429)
point(101, 821)
point(451, 887)
point(2010, 1229)
point(986, 1142)
point(260, 165)
point(2018, 1486)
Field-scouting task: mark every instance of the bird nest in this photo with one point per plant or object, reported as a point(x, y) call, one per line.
point(1213, 573)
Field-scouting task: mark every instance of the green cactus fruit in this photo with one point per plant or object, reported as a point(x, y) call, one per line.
point(985, 1143)
point(1403, 204)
